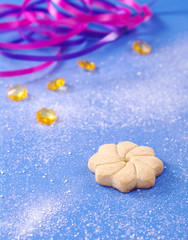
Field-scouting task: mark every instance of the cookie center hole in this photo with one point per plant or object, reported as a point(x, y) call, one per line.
point(125, 159)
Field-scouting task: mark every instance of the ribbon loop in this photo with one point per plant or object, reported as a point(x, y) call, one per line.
point(64, 23)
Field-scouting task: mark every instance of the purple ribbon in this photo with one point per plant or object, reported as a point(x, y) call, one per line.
point(62, 23)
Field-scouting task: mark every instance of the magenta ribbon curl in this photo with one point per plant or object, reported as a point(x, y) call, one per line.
point(65, 24)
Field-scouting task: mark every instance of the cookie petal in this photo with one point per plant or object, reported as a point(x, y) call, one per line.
point(145, 175)
point(125, 180)
point(155, 163)
point(124, 147)
point(109, 150)
point(104, 173)
point(98, 159)
point(140, 151)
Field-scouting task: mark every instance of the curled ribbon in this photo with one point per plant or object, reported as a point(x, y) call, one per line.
point(65, 23)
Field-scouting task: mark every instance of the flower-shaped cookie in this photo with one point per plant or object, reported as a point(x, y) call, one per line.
point(125, 166)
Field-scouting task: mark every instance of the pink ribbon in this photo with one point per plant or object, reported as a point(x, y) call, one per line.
point(61, 21)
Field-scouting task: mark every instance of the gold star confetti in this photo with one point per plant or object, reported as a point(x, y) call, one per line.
point(90, 66)
point(141, 47)
point(17, 92)
point(46, 116)
point(55, 84)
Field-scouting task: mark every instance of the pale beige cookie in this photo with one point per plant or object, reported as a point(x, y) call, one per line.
point(125, 166)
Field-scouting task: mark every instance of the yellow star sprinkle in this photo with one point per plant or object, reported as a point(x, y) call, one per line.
point(141, 47)
point(17, 92)
point(46, 116)
point(86, 65)
point(55, 84)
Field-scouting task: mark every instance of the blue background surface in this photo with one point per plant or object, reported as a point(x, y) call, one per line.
point(47, 190)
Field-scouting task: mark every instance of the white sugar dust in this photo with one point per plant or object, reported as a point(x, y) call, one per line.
point(137, 90)
point(126, 92)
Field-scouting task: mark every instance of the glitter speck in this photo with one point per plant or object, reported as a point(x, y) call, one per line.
point(141, 47)
point(86, 65)
point(17, 92)
point(46, 116)
point(55, 84)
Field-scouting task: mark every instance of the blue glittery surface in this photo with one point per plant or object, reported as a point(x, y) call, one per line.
point(47, 190)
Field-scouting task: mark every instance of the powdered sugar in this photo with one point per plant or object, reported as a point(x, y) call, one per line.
point(31, 216)
point(48, 192)
point(127, 97)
